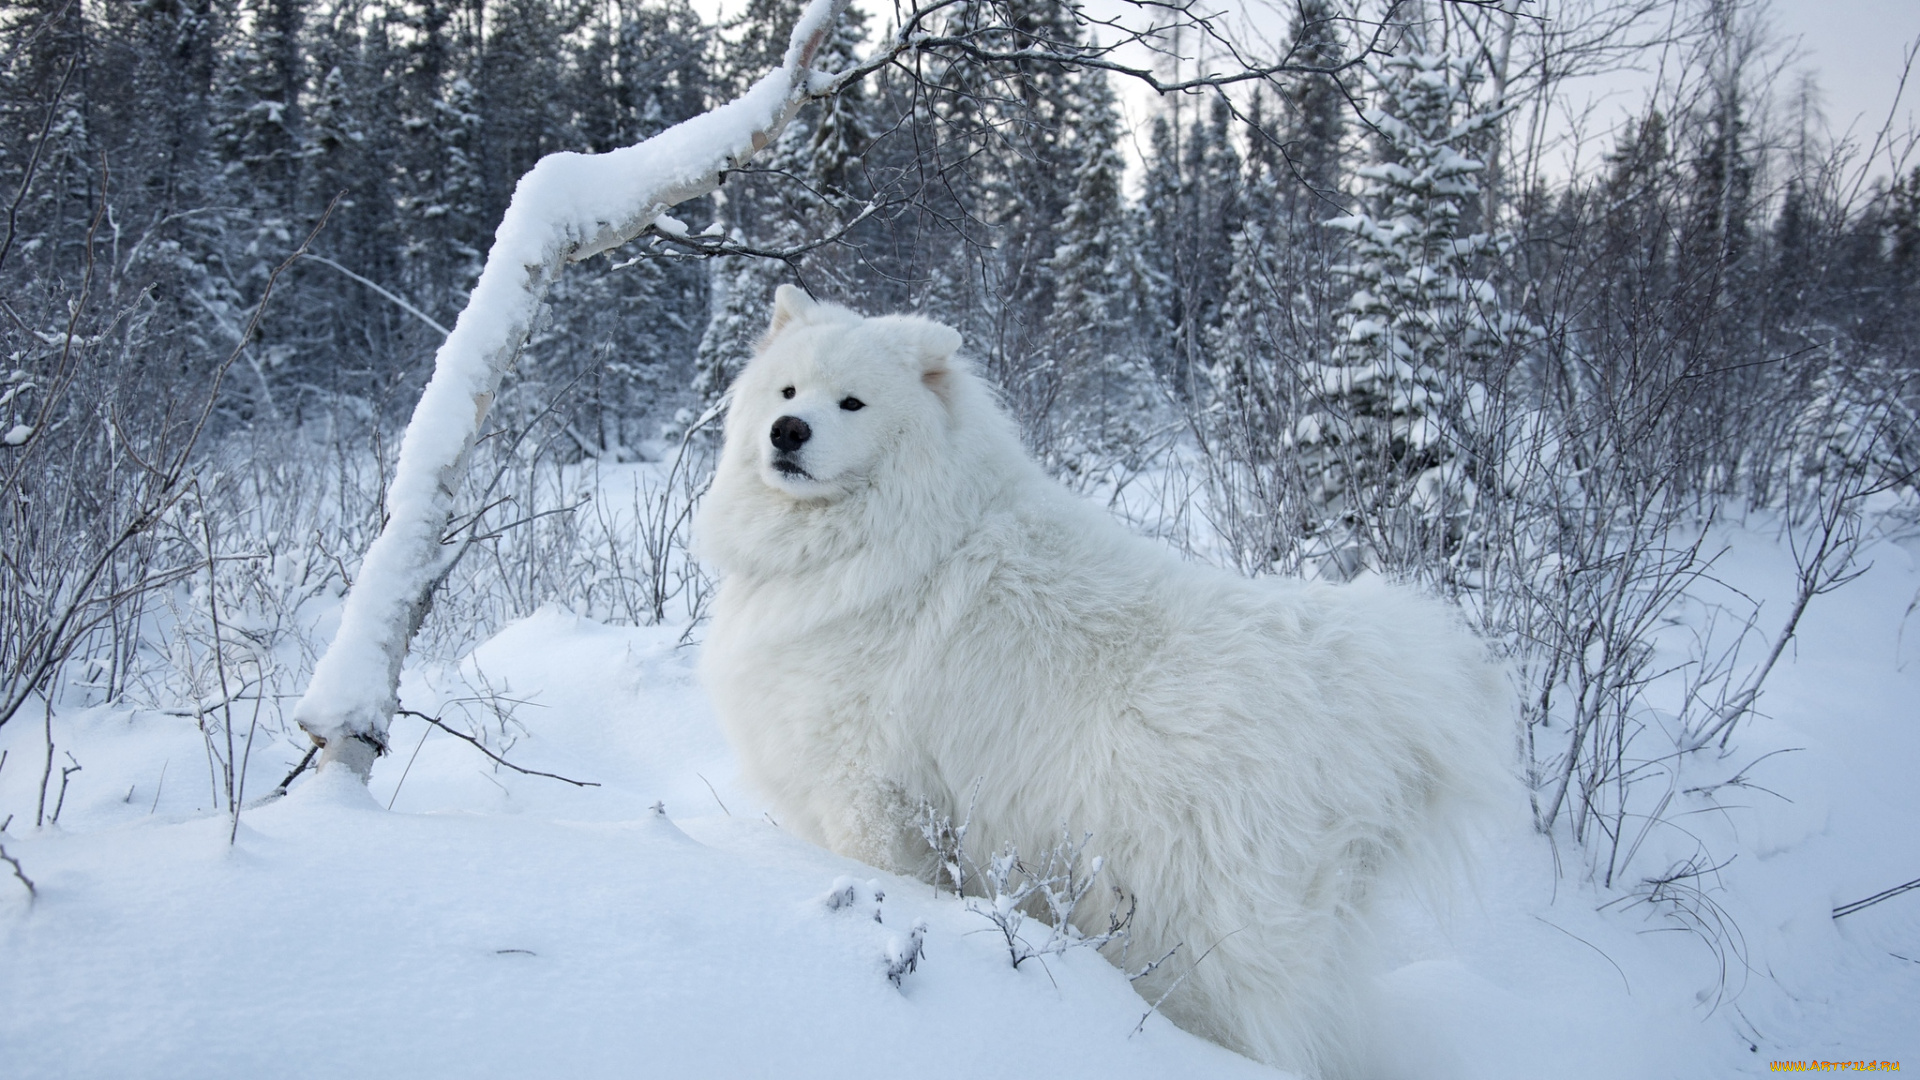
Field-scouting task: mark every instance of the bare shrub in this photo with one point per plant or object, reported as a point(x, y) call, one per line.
point(1009, 891)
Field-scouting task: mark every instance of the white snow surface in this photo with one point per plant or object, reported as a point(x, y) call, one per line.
point(494, 924)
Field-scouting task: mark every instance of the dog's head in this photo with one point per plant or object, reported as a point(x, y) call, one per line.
point(833, 399)
point(853, 440)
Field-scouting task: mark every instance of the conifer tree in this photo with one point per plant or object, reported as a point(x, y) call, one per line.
point(1158, 221)
point(1194, 208)
point(1037, 122)
point(151, 100)
point(1314, 115)
point(1273, 320)
point(959, 126)
point(1243, 359)
point(260, 99)
point(43, 88)
point(256, 123)
point(1095, 275)
point(438, 185)
point(1389, 444)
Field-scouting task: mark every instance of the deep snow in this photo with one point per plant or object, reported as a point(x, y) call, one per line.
point(493, 924)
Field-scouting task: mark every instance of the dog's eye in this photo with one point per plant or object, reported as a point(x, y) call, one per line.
point(787, 393)
point(852, 404)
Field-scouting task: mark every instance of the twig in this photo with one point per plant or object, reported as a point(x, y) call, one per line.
point(19, 873)
point(40, 808)
point(246, 757)
point(219, 654)
point(369, 283)
point(1155, 1006)
point(33, 165)
point(1885, 894)
point(404, 773)
point(281, 788)
point(66, 771)
point(710, 246)
point(1595, 948)
point(715, 794)
point(482, 747)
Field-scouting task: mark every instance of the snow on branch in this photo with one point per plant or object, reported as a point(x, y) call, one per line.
point(568, 207)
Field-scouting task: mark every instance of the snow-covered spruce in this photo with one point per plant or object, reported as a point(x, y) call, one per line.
point(1389, 437)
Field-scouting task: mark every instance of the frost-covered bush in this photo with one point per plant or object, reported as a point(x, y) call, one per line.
point(1010, 892)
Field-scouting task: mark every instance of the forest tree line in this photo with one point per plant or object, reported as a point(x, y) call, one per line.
point(210, 136)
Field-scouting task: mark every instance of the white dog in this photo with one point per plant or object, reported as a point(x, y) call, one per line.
point(910, 610)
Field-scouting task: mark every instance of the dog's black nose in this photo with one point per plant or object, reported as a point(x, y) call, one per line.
point(789, 432)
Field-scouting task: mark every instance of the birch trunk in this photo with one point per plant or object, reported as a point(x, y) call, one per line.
point(569, 207)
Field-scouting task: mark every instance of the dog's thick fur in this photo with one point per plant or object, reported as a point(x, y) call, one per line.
point(909, 608)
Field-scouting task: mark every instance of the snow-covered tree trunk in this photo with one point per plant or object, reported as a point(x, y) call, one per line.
point(569, 207)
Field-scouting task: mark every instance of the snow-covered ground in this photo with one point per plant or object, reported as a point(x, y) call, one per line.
point(458, 919)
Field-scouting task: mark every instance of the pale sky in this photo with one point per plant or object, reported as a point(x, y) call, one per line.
point(1853, 49)
point(1856, 48)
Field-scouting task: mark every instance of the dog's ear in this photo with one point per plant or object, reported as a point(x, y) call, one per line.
point(791, 306)
point(933, 346)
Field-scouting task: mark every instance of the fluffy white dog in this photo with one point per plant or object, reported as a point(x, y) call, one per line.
point(909, 608)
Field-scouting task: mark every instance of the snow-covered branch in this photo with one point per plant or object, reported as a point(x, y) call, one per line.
point(569, 207)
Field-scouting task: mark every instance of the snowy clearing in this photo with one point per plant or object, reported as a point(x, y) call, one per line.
point(515, 925)
point(1328, 308)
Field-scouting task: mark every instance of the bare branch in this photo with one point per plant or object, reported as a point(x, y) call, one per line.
point(482, 747)
point(32, 893)
point(1857, 905)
